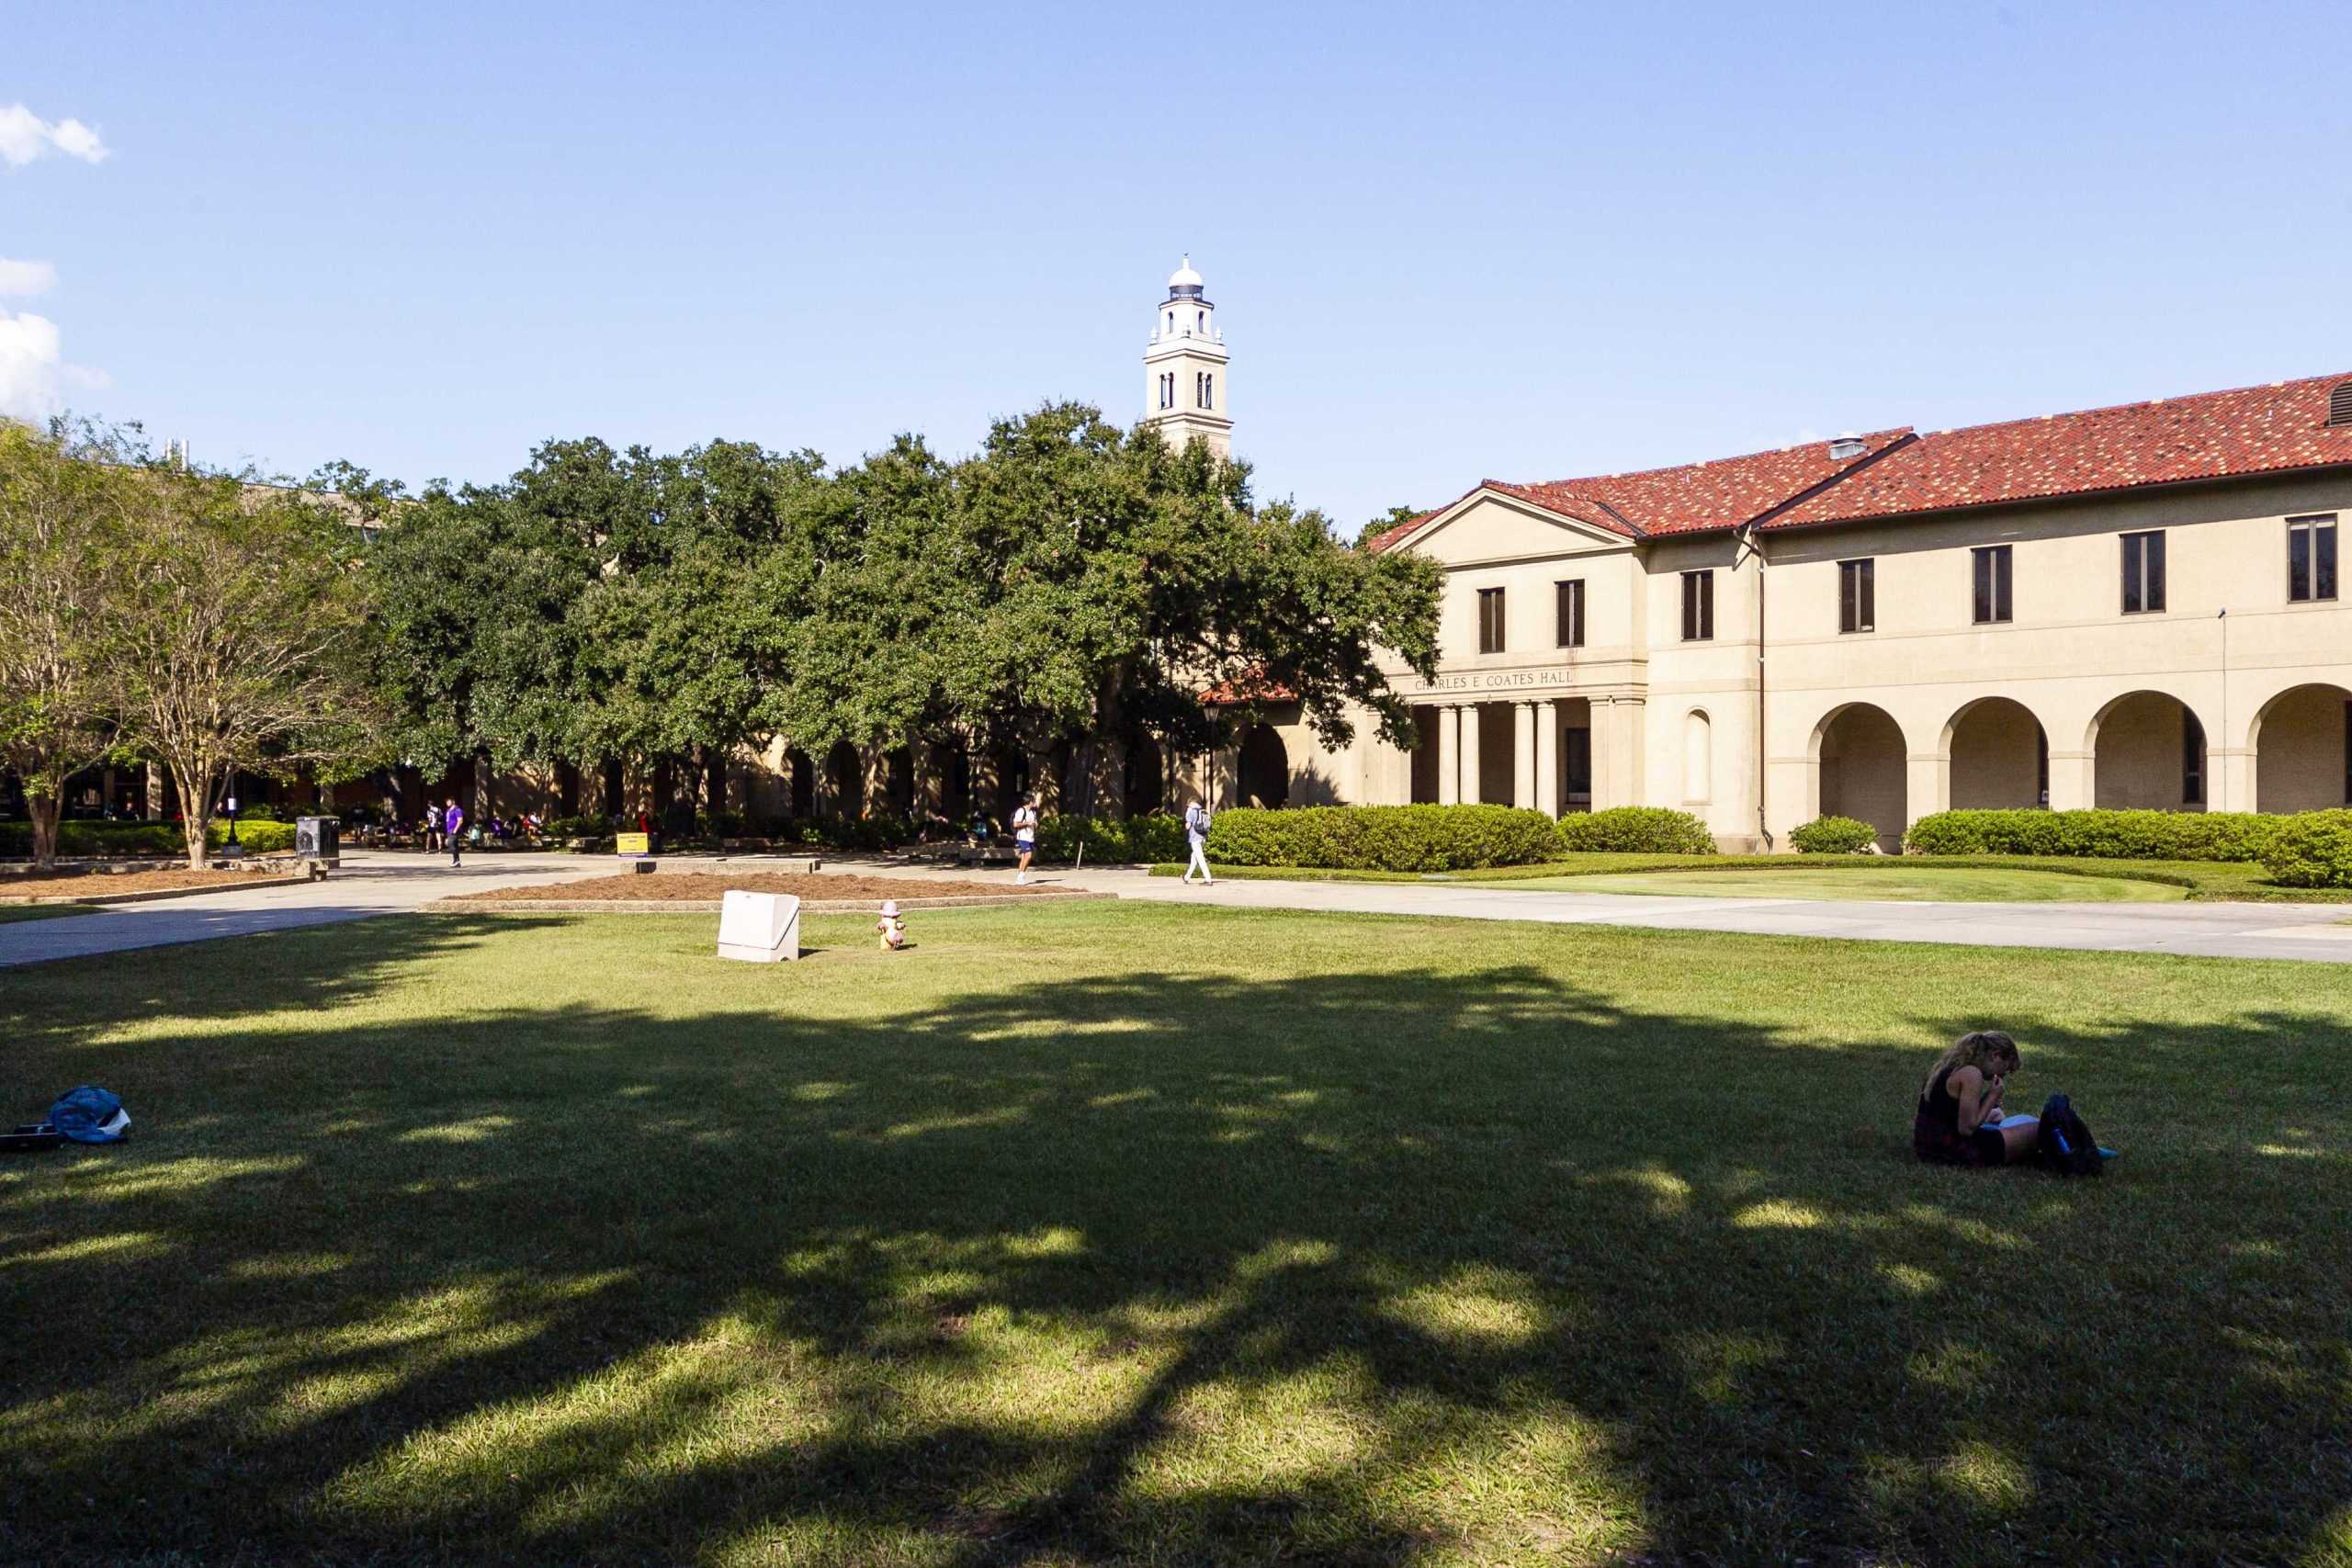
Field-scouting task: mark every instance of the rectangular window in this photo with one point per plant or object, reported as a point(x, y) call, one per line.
point(1856, 598)
point(1572, 612)
point(2192, 760)
point(2310, 559)
point(1991, 565)
point(1698, 606)
point(1490, 620)
point(2143, 573)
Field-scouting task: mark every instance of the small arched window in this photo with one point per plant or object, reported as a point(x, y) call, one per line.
point(1201, 320)
point(1172, 321)
point(1698, 759)
point(1208, 391)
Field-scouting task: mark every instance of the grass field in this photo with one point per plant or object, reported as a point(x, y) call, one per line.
point(10, 913)
point(2203, 881)
point(1956, 885)
point(1162, 1236)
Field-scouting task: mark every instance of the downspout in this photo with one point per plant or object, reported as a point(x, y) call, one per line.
point(1756, 547)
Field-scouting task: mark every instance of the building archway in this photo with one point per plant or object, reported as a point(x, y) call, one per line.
point(2302, 750)
point(899, 782)
point(846, 777)
point(1264, 768)
point(801, 774)
point(951, 764)
point(1862, 755)
point(1999, 756)
point(1147, 777)
point(2148, 754)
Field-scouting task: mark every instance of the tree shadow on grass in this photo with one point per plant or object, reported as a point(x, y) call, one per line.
point(1385, 1266)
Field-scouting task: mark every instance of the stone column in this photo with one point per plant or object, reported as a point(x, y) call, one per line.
point(1522, 755)
point(2230, 779)
point(1547, 758)
point(1926, 784)
point(1470, 782)
point(1449, 755)
point(1619, 763)
point(2073, 784)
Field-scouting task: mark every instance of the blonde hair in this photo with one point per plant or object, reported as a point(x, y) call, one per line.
point(1990, 1051)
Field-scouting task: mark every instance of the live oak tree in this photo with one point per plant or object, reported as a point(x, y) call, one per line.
point(66, 495)
point(237, 638)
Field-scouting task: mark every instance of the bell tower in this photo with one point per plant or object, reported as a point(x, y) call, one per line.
point(1184, 368)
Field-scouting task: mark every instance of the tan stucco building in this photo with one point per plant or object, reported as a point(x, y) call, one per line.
point(2128, 606)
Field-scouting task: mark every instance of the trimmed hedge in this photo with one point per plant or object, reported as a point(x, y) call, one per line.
point(1137, 839)
point(1636, 829)
point(1833, 836)
point(2100, 835)
point(103, 840)
point(2311, 848)
point(1381, 837)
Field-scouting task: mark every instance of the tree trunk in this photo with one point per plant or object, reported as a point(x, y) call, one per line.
point(154, 812)
point(44, 810)
point(196, 813)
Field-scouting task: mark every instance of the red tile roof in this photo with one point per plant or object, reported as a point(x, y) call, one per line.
point(1724, 493)
point(1250, 689)
point(2253, 430)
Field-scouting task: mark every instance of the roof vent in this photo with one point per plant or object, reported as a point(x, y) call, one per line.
point(2339, 405)
point(1844, 446)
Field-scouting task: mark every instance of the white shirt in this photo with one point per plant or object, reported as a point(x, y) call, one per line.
point(1025, 823)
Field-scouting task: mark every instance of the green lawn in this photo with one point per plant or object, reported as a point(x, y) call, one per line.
point(11, 912)
point(1989, 884)
point(2204, 881)
point(1164, 1236)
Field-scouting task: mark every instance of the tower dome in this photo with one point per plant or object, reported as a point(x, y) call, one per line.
point(1185, 283)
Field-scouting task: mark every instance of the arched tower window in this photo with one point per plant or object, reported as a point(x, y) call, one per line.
point(1208, 390)
point(1201, 320)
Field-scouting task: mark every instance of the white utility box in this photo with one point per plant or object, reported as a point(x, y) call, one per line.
point(759, 928)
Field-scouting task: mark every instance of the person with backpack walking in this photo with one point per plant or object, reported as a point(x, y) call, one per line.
point(1025, 836)
point(429, 829)
point(1959, 1119)
point(453, 828)
point(1197, 817)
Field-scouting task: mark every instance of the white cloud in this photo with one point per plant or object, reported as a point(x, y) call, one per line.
point(34, 376)
point(24, 136)
point(23, 280)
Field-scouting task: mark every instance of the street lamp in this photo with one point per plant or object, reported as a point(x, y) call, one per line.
point(232, 850)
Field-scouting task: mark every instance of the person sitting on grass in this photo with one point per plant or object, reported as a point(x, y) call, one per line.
point(892, 929)
point(1960, 1119)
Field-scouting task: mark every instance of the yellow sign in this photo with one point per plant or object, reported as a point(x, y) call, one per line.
point(632, 844)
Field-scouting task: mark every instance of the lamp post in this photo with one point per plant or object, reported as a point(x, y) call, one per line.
point(232, 850)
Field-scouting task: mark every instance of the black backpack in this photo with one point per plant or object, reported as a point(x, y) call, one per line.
point(2065, 1145)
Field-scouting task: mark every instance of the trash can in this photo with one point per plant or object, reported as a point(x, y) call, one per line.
point(318, 839)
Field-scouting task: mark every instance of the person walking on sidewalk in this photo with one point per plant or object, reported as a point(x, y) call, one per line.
point(1197, 817)
point(453, 828)
point(1025, 836)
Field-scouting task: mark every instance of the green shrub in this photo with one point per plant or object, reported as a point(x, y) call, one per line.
point(578, 827)
point(1833, 836)
point(2311, 848)
point(1381, 837)
point(1636, 829)
point(259, 838)
point(2103, 835)
point(1137, 839)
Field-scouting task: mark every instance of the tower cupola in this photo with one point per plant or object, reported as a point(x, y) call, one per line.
point(1184, 367)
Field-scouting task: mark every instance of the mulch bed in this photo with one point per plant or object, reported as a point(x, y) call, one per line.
point(706, 887)
point(35, 885)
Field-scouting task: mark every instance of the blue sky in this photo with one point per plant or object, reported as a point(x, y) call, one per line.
point(1447, 243)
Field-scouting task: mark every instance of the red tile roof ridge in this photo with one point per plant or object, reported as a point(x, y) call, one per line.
point(1889, 435)
point(2126, 406)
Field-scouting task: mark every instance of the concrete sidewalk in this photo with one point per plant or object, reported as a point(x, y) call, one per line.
point(371, 882)
point(381, 883)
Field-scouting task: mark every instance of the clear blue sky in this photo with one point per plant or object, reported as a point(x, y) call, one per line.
point(1526, 242)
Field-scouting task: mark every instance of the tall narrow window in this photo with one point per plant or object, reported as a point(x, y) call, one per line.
point(1576, 763)
point(1992, 571)
point(2144, 572)
point(1698, 606)
point(2192, 760)
point(2042, 763)
point(1857, 597)
point(1208, 390)
point(1571, 595)
point(1201, 320)
point(2310, 559)
point(1490, 620)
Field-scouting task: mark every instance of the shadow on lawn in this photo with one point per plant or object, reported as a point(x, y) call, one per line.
point(1001, 1281)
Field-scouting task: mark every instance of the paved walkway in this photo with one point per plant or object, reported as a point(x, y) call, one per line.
point(378, 883)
